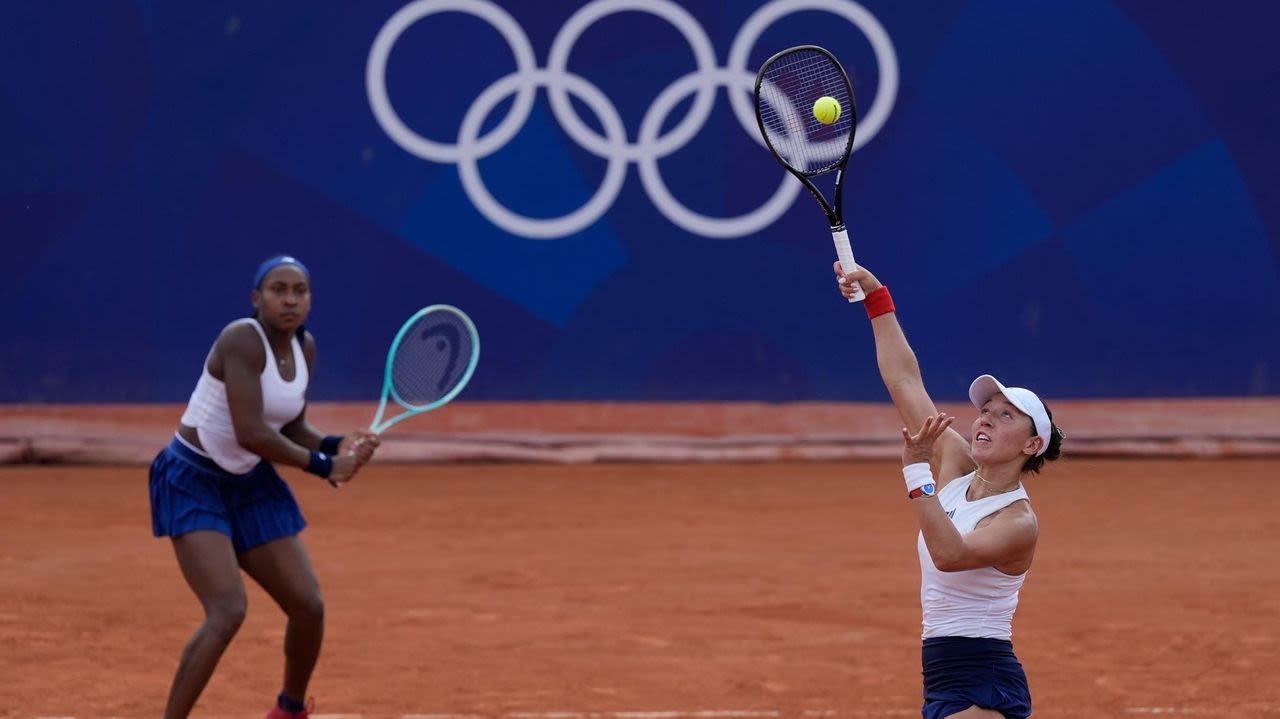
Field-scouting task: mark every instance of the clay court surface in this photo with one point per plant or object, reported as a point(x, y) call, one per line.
point(652, 591)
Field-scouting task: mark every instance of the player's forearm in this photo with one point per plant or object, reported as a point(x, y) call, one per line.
point(304, 433)
point(273, 446)
point(945, 544)
point(898, 365)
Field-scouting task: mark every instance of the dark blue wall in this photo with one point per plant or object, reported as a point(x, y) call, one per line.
point(1080, 196)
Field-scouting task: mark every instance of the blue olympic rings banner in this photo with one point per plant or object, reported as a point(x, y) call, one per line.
point(1078, 196)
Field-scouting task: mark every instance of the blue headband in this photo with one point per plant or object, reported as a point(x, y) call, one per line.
point(274, 262)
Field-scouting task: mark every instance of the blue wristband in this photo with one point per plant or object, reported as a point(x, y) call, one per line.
point(320, 465)
point(330, 444)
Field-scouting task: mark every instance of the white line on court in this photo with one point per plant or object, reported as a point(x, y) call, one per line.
point(1252, 710)
point(1246, 710)
point(668, 714)
point(806, 714)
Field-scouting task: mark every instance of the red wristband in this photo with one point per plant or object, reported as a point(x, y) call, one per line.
point(879, 302)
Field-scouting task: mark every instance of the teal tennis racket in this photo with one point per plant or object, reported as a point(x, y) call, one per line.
point(431, 359)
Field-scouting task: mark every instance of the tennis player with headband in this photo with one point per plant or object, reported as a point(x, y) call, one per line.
point(978, 531)
point(217, 495)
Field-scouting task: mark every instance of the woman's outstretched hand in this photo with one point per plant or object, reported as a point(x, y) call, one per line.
point(919, 447)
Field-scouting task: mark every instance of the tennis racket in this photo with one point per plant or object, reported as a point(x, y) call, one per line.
point(431, 359)
point(787, 86)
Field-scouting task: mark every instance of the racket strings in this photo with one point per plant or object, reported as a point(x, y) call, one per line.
point(788, 89)
point(431, 359)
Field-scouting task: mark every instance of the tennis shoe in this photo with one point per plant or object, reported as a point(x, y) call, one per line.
point(278, 713)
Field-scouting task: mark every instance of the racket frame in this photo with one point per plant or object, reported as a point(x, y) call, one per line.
point(378, 426)
point(834, 210)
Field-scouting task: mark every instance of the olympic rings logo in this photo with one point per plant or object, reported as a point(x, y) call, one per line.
point(613, 146)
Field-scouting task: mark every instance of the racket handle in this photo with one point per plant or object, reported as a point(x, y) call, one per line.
point(843, 251)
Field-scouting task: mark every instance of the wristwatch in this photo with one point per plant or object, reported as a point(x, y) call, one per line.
point(925, 491)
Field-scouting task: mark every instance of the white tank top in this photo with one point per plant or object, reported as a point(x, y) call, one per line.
point(975, 602)
point(208, 412)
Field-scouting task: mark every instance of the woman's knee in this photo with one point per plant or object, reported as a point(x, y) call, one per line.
point(225, 614)
point(308, 608)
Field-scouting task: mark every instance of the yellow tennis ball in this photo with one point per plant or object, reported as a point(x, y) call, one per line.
point(826, 110)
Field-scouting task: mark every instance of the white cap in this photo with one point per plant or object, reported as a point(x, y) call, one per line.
point(986, 387)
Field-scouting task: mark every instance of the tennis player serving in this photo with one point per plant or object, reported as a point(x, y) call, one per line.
point(217, 495)
point(978, 531)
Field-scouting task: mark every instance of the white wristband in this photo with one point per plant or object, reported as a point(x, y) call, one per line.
point(917, 475)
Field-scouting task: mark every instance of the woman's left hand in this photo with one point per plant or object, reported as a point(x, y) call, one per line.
point(919, 447)
point(362, 444)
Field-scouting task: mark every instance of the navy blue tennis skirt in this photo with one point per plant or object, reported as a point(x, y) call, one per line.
point(190, 492)
point(960, 672)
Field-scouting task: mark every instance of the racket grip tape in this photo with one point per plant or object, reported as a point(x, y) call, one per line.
point(845, 253)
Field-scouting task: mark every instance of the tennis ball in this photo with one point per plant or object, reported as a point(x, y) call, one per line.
point(826, 110)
